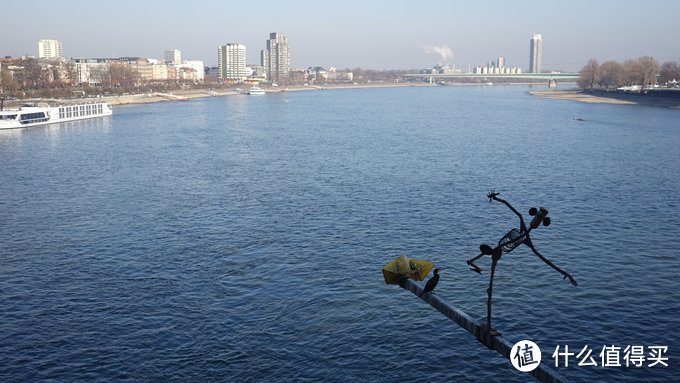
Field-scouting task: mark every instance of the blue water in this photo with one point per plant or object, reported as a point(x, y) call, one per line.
point(241, 239)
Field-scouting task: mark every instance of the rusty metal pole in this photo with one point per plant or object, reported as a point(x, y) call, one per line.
point(543, 373)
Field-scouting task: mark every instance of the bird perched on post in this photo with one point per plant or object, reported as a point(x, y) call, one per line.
point(431, 283)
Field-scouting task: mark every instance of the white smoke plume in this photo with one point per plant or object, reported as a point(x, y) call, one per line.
point(443, 51)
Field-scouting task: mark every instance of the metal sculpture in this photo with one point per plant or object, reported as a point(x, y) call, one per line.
point(510, 241)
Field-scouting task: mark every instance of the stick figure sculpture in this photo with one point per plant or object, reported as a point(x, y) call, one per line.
point(508, 243)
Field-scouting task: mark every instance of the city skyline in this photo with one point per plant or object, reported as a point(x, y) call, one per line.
point(356, 34)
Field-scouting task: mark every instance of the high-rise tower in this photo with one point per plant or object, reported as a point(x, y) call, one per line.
point(276, 58)
point(49, 49)
point(173, 56)
point(231, 59)
point(535, 53)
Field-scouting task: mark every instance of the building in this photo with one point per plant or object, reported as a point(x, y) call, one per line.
point(159, 72)
point(258, 73)
point(197, 66)
point(173, 56)
point(535, 54)
point(231, 59)
point(49, 49)
point(92, 71)
point(276, 58)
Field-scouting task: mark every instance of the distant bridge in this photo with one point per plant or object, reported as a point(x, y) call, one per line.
point(528, 76)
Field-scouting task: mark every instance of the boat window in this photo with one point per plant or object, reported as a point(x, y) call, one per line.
point(28, 118)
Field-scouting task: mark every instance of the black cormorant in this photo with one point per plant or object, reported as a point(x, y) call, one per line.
point(431, 283)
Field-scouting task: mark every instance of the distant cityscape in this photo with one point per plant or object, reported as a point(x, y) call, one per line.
point(274, 68)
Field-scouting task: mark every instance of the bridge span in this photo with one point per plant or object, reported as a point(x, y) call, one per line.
point(488, 76)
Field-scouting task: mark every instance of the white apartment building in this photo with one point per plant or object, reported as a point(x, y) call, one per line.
point(231, 59)
point(49, 49)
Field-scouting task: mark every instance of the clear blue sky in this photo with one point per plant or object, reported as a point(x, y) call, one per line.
point(347, 34)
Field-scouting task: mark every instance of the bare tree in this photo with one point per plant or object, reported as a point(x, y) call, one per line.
point(612, 74)
point(71, 74)
point(631, 72)
point(670, 71)
point(650, 68)
point(8, 82)
point(589, 75)
point(99, 74)
point(123, 75)
point(34, 75)
point(642, 71)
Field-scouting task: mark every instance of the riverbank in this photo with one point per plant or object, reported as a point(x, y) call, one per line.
point(184, 95)
point(604, 97)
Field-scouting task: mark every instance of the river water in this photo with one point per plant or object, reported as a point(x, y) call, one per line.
point(241, 239)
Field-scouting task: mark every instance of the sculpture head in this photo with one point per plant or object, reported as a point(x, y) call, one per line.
point(540, 216)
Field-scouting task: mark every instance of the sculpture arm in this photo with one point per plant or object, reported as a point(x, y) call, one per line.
point(523, 226)
point(471, 263)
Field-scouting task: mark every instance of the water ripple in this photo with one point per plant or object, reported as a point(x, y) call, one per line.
point(241, 239)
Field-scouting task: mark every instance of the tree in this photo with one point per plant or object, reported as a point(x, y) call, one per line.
point(70, 74)
point(669, 71)
point(649, 69)
point(630, 72)
point(8, 83)
point(589, 75)
point(359, 74)
point(123, 75)
point(34, 75)
point(612, 74)
point(642, 71)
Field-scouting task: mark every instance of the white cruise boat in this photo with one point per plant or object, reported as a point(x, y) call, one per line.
point(42, 114)
point(256, 91)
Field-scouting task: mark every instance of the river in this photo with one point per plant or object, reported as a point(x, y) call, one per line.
point(241, 239)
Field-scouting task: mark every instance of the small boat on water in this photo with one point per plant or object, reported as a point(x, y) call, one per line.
point(256, 91)
point(36, 114)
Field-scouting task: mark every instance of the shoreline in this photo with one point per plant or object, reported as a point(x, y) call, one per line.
point(610, 98)
point(594, 97)
point(186, 95)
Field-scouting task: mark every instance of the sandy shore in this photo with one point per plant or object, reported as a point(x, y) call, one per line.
point(577, 95)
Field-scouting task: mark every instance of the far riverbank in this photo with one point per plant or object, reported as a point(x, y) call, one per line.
point(184, 95)
point(605, 97)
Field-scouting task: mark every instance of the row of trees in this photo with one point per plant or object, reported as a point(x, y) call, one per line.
point(644, 71)
point(29, 77)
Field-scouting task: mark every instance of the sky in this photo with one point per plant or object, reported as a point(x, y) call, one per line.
point(369, 34)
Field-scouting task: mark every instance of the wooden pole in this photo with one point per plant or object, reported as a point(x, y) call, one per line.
point(543, 373)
